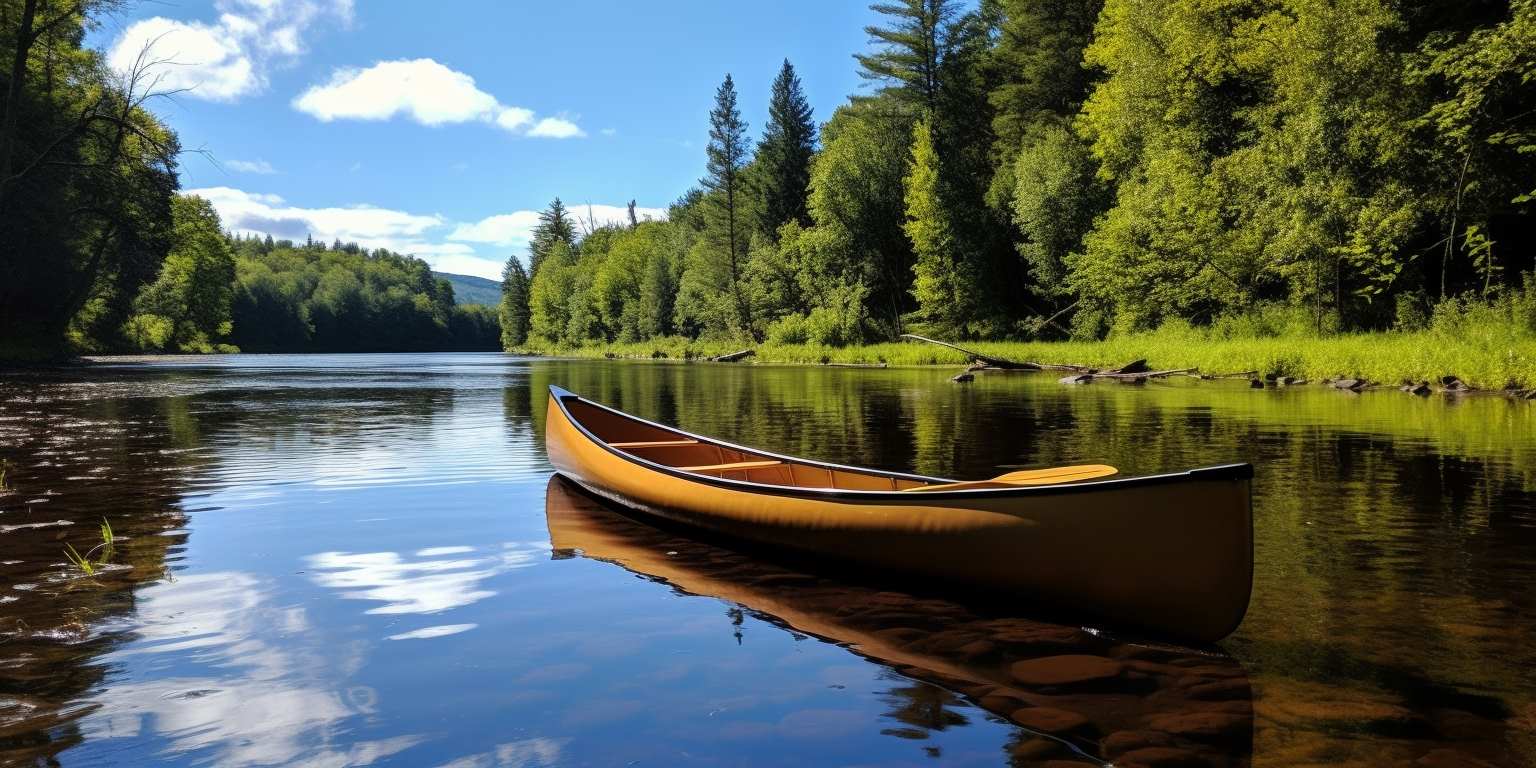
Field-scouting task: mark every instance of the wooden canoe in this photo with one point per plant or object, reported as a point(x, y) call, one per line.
point(1169, 553)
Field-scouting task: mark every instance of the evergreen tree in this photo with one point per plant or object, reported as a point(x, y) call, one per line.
point(513, 309)
point(727, 231)
point(911, 49)
point(555, 226)
point(943, 286)
point(784, 154)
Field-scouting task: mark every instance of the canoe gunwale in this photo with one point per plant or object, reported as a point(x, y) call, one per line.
point(1236, 471)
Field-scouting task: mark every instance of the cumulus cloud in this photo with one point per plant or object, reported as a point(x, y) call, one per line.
point(421, 235)
point(229, 58)
point(425, 91)
point(250, 166)
point(514, 230)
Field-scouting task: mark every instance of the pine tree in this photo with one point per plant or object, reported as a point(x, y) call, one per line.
point(784, 154)
point(555, 226)
point(727, 157)
point(912, 49)
point(513, 310)
point(943, 286)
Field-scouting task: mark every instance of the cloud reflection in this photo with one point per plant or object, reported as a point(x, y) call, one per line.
point(431, 581)
point(528, 753)
point(257, 702)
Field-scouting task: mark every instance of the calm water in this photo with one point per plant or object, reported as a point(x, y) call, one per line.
point(362, 560)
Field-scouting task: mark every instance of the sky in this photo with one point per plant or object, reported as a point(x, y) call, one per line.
point(440, 129)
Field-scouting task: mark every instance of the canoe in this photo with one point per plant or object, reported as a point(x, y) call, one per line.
point(1170, 554)
point(999, 663)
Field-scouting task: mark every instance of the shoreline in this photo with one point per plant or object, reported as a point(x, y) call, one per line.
point(1388, 359)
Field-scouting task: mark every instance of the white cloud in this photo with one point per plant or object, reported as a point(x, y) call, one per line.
point(229, 58)
point(425, 91)
point(371, 227)
point(514, 230)
point(421, 235)
point(556, 128)
point(250, 166)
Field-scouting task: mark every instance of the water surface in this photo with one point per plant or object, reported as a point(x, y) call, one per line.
point(361, 560)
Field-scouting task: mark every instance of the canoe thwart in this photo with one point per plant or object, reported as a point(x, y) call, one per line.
point(653, 443)
point(731, 466)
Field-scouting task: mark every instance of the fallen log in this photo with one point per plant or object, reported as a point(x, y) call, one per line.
point(853, 365)
point(991, 362)
point(732, 357)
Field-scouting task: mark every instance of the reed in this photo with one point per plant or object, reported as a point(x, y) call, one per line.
point(84, 563)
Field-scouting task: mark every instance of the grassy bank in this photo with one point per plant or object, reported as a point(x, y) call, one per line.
point(1488, 357)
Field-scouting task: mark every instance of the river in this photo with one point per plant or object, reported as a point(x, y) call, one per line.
point(362, 560)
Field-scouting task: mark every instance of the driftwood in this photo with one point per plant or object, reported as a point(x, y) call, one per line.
point(1238, 375)
point(853, 365)
point(732, 357)
point(1000, 363)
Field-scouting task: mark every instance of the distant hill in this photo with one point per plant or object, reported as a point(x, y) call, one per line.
point(468, 289)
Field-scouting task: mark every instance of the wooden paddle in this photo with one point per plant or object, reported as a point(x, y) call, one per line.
point(1051, 476)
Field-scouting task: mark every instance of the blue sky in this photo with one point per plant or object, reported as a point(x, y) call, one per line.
point(440, 128)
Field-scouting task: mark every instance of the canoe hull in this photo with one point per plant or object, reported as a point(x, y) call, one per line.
point(1174, 557)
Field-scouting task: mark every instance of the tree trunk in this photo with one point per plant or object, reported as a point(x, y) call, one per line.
point(13, 91)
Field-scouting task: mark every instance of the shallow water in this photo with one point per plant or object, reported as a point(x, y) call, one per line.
point(361, 560)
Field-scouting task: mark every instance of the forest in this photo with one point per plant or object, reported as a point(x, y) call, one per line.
point(1015, 169)
point(1078, 169)
point(100, 253)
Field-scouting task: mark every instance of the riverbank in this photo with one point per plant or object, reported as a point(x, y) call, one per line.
point(1484, 358)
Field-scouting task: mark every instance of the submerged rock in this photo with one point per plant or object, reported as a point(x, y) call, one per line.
point(1070, 669)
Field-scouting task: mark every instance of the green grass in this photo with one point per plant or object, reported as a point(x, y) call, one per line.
point(1491, 357)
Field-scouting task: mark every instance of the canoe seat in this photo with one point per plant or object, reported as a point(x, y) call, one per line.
point(731, 466)
point(653, 443)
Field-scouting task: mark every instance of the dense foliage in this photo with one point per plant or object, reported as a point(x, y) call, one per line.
point(343, 298)
point(1076, 168)
point(98, 252)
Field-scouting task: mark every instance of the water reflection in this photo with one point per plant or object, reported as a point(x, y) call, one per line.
point(312, 571)
point(237, 695)
point(433, 580)
point(1081, 696)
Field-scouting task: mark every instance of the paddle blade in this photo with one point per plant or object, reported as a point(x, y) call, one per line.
point(1052, 476)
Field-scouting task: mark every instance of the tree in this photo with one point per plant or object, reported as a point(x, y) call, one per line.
point(943, 285)
point(785, 152)
point(910, 50)
point(513, 309)
point(555, 226)
point(1037, 75)
point(727, 232)
point(550, 294)
point(187, 308)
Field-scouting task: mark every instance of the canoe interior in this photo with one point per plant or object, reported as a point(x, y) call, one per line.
point(701, 456)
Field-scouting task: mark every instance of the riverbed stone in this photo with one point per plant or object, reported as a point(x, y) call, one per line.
point(1066, 670)
point(1057, 722)
point(1120, 742)
point(1204, 726)
point(1450, 758)
point(1161, 757)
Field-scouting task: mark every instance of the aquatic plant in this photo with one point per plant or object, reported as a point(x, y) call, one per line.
point(5, 485)
point(84, 563)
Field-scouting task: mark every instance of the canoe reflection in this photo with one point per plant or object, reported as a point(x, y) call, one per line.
point(1076, 695)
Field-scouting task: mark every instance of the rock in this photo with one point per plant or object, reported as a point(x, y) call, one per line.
point(964, 378)
point(1161, 757)
point(977, 648)
point(1255, 384)
point(1453, 384)
point(1220, 690)
point(1077, 378)
point(1137, 366)
point(1001, 703)
point(1354, 385)
point(1204, 726)
point(1287, 381)
point(1421, 389)
point(1450, 758)
point(1120, 742)
point(1056, 722)
point(1066, 670)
